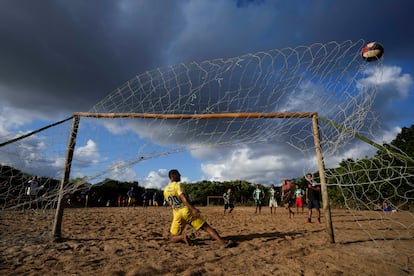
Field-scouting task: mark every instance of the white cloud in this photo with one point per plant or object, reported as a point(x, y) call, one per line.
point(159, 179)
point(204, 151)
point(121, 171)
point(156, 179)
point(88, 153)
point(244, 163)
point(388, 135)
point(360, 149)
point(12, 119)
point(389, 79)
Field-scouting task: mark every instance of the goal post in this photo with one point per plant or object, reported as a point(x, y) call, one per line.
point(57, 224)
point(311, 115)
point(324, 188)
point(216, 198)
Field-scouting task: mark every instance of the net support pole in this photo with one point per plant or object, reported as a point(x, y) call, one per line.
point(324, 188)
point(57, 224)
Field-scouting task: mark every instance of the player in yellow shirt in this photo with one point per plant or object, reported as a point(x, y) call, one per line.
point(184, 212)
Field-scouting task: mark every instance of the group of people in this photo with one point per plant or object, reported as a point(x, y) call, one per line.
point(311, 196)
point(185, 213)
point(132, 198)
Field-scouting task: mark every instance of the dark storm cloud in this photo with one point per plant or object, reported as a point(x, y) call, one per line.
point(384, 21)
point(72, 53)
point(231, 30)
point(68, 55)
point(64, 56)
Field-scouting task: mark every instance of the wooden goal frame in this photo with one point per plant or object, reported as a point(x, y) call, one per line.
point(57, 224)
point(213, 197)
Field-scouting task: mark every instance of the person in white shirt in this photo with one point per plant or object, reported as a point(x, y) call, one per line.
point(32, 190)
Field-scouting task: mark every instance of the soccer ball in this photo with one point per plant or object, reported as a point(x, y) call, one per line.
point(372, 51)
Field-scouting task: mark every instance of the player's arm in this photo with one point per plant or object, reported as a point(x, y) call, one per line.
point(193, 210)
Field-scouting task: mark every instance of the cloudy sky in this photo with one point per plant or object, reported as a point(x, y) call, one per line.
point(57, 57)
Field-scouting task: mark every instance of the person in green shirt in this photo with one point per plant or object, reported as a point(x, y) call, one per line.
point(258, 196)
point(228, 201)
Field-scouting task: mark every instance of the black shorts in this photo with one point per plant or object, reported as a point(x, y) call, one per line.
point(314, 204)
point(226, 206)
point(288, 201)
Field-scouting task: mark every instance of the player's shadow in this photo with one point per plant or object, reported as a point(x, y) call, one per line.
point(358, 220)
point(265, 236)
point(372, 239)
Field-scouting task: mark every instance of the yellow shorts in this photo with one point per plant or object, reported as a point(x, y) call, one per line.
point(131, 200)
point(182, 217)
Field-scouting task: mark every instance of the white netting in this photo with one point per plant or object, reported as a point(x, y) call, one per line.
point(325, 78)
point(321, 77)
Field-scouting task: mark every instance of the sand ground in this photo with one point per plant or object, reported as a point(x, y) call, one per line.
point(122, 241)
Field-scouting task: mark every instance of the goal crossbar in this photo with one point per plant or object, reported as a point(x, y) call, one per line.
point(199, 116)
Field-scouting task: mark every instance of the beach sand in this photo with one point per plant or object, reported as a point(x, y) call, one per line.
point(122, 241)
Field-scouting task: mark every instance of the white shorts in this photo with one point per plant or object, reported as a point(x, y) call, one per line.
point(272, 203)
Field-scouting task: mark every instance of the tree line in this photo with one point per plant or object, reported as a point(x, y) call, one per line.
point(364, 183)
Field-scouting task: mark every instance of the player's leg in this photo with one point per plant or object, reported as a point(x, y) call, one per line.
point(177, 227)
point(179, 238)
point(302, 204)
point(310, 206)
point(310, 215)
point(213, 233)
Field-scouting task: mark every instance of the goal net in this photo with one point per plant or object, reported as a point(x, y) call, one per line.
point(328, 78)
point(215, 200)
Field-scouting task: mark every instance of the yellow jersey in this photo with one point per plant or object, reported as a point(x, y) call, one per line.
point(172, 194)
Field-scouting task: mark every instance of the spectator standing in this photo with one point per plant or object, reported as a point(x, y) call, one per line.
point(287, 196)
point(272, 199)
point(258, 196)
point(131, 197)
point(299, 202)
point(313, 197)
point(228, 201)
